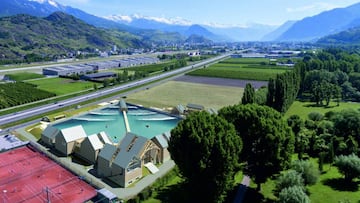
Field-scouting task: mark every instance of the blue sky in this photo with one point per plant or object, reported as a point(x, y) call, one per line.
point(225, 12)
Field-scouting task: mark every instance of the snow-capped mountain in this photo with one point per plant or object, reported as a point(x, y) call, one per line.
point(133, 23)
point(42, 8)
point(51, 2)
point(252, 32)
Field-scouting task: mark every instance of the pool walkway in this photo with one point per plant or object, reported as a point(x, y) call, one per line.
point(242, 189)
point(127, 125)
point(81, 170)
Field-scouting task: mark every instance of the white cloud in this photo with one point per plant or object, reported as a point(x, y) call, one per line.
point(219, 25)
point(119, 18)
point(74, 2)
point(170, 21)
point(318, 6)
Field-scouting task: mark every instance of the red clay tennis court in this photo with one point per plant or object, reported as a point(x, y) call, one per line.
point(29, 176)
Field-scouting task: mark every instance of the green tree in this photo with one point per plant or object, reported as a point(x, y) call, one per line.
point(293, 194)
point(307, 170)
point(302, 141)
point(249, 95)
point(106, 82)
point(206, 149)
point(268, 141)
point(349, 166)
point(347, 123)
point(296, 123)
point(288, 179)
point(261, 95)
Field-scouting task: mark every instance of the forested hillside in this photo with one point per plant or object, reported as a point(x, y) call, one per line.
point(28, 38)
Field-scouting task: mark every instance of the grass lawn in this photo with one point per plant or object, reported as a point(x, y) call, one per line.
point(330, 188)
point(304, 108)
point(172, 93)
point(24, 76)
point(240, 71)
point(62, 86)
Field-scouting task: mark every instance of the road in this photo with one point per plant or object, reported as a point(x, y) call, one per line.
point(50, 107)
point(38, 68)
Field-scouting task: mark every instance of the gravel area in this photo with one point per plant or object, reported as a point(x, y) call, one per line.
point(221, 81)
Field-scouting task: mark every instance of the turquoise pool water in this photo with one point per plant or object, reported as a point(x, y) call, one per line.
point(144, 122)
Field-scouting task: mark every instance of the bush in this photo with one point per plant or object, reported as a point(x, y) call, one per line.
point(145, 194)
point(307, 170)
point(315, 116)
point(294, 194)
point(349, 166)
point(289, 179)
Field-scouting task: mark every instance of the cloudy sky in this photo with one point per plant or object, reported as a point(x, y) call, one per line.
point(222, 12)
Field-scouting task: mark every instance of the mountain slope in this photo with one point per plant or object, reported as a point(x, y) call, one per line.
point(56, 35)
point(323, 24)
point(47, 7)
point(197, 39)
point(278, 32)
point(252, 32)
point(347, 37)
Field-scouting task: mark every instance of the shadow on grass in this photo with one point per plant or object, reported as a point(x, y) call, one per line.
point(252, 196)
point(173, 194)
point(341, 185)
point(319, 105)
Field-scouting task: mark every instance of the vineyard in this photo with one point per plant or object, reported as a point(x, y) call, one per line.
point(13, 94)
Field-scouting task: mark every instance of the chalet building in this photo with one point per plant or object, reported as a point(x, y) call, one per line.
point(162, 142)
point(49, 134)
point(123, 164)
point(69, 139)
point(91, 146)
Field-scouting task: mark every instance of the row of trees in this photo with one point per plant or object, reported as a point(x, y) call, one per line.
point(330, 74)
point(210, 149)
point(283, 90)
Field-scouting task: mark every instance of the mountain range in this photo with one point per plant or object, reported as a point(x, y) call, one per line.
point(326, 23)
point(56, 35)
point(136, 24)
point(310, 28)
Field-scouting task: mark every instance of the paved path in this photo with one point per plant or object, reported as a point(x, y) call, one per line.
point(80, 170)
point(242, 189)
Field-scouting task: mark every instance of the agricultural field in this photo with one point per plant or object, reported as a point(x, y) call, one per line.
point(153, 68)
point(62, 86)
point(23, 76)
point(304, 108)
point(247, 69)
point(13, 94)
point(172, 93)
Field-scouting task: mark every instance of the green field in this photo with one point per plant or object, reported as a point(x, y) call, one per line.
point(247, 69)
point(172, 93)
point(152, 67)
point(246, 60)
point(62, 86)
point(23, 76)
point(304, 108)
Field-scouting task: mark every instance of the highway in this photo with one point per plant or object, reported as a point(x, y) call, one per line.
point(50, 107)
